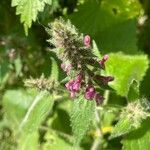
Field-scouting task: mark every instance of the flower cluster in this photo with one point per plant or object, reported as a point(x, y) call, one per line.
point(42, 84)
point(82, 67)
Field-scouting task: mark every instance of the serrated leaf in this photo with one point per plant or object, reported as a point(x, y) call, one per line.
point(54, 70)
point(138, 139)
point(125, 69)
point(133, 93)
point(107, 22)
point(28, 9)
point(81, 117)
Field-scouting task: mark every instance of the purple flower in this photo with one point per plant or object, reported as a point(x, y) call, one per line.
point(105, 79)
point(87, 41)
point(74, 85)
point(104, 59)
point(99, 98)
point(89, 93)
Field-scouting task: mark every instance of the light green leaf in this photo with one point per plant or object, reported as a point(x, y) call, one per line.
point(108, 23)
point(133, 93)
point(81, 117)
point(131, 118)
point(125, 69)
point(121, 128)
point(15, 103)
point(138, 139)
point(28, 9)
point(32, 138)
point(96, 51)
point(37, 112)
point(55, 142)
point(54, 70)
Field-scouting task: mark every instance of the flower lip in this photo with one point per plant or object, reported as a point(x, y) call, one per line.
point(89, 93)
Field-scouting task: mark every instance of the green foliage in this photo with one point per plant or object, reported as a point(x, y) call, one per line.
point(37, 112)
point(133, 93)
point(138, 139)
point(130, 119)
point(110, 34)
point(122, 127)
point(29, 10)
point(126, 68)
point(15, 104)
point(54, 70)
point(56, 142)
point(31, 119)
point(81, 117)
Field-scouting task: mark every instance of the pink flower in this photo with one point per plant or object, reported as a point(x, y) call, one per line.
point(89, 93)
point(104, 59)
point(87, 41)
point(105, 79)
point(74, 85)
point(98, 98)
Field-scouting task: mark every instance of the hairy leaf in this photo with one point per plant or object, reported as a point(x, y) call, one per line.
point(37, 112)
point(138, 139)
point(15, 104)
point(131, 118)
point(81, 117)
point(121, 128)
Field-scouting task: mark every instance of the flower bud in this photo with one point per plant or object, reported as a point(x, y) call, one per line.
point(87, 41)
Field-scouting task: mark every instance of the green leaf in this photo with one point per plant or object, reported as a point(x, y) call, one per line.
point(125, 69)
point(15, 103)
point(54, 70)
point(28, 9)
point(108, 23)
point(131, 118)
point(32, 138)
point(55, 142)
point(81, 117)
point(138, 139)
point(96, 51)
point(121, 128)
point(133, 93)
point(37, 112)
